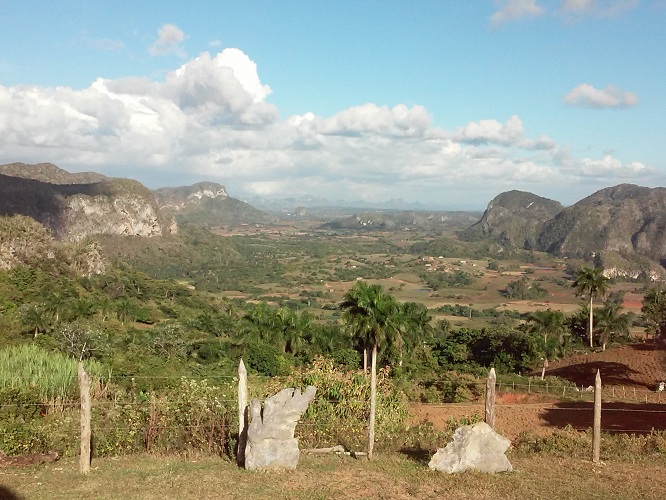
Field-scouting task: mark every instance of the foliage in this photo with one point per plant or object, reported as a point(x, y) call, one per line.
point(654, 311)
point(457, 279)
point(467, 311)
point(505, 349)
point(524, 289)
point(339, 412)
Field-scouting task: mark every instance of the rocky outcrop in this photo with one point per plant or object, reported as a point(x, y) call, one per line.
point(75, 211)
point(270, 436)
point(180, 197)
point(514, 218)
point(477, 447)
point(127, 215)
point(627, 219)
point(206, 204)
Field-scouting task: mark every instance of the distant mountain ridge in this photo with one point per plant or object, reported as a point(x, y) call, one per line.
point(391, 220)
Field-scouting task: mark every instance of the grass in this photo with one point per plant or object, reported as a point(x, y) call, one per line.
point(395, 476)
point(52, 374)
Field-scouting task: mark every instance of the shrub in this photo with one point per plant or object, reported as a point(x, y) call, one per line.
point(340, 411)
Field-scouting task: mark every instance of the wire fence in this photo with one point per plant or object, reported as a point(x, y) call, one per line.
point(620, 409)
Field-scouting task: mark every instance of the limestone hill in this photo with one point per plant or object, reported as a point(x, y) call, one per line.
point(207, 204)
point(514, 218)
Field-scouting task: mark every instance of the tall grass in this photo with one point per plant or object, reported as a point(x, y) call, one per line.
point(51, 374)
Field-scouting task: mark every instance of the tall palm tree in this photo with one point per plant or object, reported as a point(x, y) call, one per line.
point(591, 282)
point(372, 315)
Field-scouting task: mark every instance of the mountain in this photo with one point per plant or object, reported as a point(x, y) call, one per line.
point(49, 173)
point(207, 204)
point(391, 220)
point(72, 210)
point(514, 218)
point(622, 227)
point(627, 219)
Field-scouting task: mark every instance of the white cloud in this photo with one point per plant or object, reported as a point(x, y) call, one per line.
point(210, 119)
point(578, 9)
point(370, 119)
point(169, 39)
point(577, 5)
point(587, 96)
point(511, 10)
point(611, 167)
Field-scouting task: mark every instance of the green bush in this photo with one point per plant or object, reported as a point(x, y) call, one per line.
point(340, 411)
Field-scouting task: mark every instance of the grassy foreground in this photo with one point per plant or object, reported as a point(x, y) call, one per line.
point(393, 476)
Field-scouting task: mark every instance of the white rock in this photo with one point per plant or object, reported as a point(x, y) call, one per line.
point(476, 447)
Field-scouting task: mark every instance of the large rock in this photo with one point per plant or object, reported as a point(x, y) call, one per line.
point(270, 435)
point(476, 447)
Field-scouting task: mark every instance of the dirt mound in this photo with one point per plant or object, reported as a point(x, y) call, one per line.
point(641, 364)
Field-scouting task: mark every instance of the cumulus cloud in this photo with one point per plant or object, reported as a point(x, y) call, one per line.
point(210, 119)
point(169, 40)
point(511, 10)
point(587, 96)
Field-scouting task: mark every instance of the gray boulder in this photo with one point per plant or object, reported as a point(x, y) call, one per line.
point(476, 447)
point(270, 435)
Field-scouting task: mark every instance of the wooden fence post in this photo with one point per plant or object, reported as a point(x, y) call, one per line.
point(596, 430)
point(86, 410)
point(373, 402)
point(490, 398)
point(242, 413)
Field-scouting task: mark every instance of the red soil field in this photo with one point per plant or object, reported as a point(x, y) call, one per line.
point(637, 367)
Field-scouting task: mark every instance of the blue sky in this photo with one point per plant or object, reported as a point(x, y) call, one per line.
point(444, 102)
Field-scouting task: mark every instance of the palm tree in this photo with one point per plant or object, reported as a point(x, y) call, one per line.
point(414, 328)
point(611, 324)
point(591, 282)
point(372, 314)
point(549, 324)
point(34, 319)
point(654, 311)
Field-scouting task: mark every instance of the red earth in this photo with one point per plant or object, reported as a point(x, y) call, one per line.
point(630, 403)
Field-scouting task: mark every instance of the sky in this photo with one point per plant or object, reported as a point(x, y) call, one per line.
point(443, 102)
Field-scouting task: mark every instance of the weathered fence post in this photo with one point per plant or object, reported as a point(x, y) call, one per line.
point(373, 402)
point(529, 386)
point(242, 413)
point(596, 430)
point(86, 410)
point(490, 398)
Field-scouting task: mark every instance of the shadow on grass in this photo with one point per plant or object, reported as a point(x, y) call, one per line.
point(420, 456)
